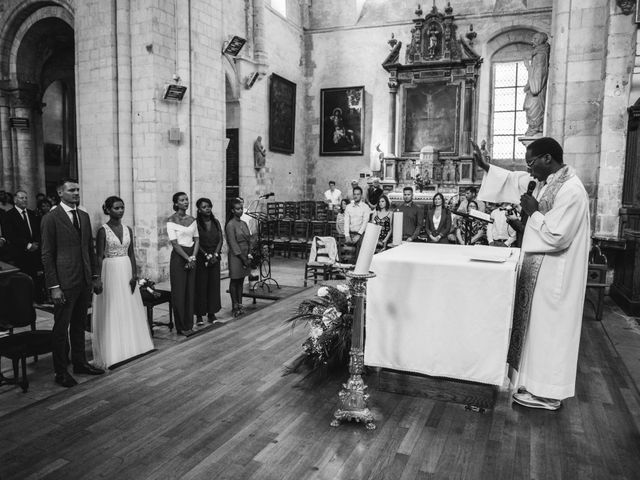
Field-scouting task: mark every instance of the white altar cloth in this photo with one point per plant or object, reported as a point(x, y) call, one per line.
point(434, 310)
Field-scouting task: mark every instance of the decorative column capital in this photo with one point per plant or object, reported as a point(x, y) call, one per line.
point(393, 85)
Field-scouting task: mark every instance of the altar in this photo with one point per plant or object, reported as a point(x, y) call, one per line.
point(442, 310)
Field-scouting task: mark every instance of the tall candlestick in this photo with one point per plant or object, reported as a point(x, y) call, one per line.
point(367, 248)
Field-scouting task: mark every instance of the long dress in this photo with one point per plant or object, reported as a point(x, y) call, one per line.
point(119, 320)
point(549, 358)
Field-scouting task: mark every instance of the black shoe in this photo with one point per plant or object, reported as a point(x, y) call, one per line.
point(186, 333)
point(88, 369)
point(65, 380)
point(212, 317)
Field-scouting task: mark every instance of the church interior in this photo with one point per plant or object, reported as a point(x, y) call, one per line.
point(270, 101)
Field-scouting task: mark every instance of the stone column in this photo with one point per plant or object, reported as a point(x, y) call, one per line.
point(391, 139)
point(6, 150)
point(24, 141)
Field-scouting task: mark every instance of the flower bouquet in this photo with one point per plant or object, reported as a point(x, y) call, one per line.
point(147, 289)
point(329, 317)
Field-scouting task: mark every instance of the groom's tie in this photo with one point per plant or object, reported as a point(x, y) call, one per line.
point(76, 220)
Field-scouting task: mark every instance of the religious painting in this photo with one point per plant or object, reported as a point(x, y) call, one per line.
point(431, 118)
point(282, 114)
point(342, 121)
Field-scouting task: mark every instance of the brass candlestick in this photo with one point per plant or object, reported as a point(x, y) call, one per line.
point(353, 399)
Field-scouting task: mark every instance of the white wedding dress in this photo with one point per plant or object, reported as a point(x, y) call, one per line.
point(119, 322)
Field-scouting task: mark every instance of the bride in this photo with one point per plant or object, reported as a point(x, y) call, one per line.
point(118, 322)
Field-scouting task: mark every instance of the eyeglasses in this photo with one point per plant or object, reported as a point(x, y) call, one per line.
point(533, 160)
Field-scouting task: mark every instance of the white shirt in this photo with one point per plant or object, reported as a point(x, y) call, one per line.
point(356, 217)
point(500, 229)
point(68, 209)
point(334, 197)
point(183, 235)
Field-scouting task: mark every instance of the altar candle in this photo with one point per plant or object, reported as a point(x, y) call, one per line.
point(367, 248)
point(397, 228)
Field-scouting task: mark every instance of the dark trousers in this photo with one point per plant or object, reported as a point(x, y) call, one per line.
point(68, 328)
point(207, 287)
point(183, 288)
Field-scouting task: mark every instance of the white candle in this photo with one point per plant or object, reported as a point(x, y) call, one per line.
point(397, 228)
point(367, 248)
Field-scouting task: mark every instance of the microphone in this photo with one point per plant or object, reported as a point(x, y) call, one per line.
point(530, 188)
point(267, 195)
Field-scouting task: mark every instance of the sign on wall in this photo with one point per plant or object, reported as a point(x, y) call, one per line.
point(282, 114)
point(342, 121)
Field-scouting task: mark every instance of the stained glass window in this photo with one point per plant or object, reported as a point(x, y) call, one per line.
point(508, 120)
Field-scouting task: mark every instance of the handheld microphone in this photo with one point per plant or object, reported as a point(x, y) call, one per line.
point(530, 188)
point(267, 195)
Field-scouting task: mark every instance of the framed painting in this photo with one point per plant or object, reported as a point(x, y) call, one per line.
point(342, 121)
point(282, 114)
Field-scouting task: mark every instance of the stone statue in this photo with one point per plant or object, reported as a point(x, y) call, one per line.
point(536, 87)
point(259, 154)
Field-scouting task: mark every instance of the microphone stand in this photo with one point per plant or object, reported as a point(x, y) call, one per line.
point(264, 247)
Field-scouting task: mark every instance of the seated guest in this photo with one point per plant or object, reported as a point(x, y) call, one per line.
point(356, 217)
point(22, 233)
point(374, 192)
point(340, 216)
point(412, 216)
point(500, 233)
point(438, 222)
point(475, 229)
point(333, 196)
point(382, 216)
point(470, 195)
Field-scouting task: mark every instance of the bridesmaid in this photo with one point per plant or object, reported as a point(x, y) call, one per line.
point(208, 262)
point(240, 243)
point(182, 230)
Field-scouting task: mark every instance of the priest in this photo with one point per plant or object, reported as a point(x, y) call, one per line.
point(543, 351)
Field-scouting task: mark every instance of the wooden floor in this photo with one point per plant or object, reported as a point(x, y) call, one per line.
point(217, 407)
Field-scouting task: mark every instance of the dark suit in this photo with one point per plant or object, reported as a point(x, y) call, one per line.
point(444, 227)
point(16, 232)
point(69, 261)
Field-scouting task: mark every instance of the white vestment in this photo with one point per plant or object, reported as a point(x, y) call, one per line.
point(549, 358)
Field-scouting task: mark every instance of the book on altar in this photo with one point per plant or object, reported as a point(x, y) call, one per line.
point(480, 215)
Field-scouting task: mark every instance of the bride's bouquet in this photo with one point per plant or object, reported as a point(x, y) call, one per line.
point(147, 289)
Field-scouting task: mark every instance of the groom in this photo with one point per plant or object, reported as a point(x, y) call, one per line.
point(70, 269)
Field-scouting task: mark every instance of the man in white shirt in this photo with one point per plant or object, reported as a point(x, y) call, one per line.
point(333, 196)
point(356, 217)
point(500, 233)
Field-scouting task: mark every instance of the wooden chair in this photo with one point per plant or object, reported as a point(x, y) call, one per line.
point(306, 210)
point(282, 237)
point(321, 211)
point(299, 236)
point(597, 279)
point(16, 296)
point(322, 257)
point(275, 210)
point(291, 210)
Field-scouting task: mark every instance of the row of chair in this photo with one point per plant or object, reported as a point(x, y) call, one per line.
point(295, 236)
point(302, 210)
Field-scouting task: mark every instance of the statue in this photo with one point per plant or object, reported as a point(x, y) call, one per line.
point(433, 41)
point(536, 87)
point(414, 46)
point(259, 154)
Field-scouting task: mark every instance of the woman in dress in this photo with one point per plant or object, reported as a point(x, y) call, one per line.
point(240, 244)
point(382, 216)
point(438, 223)
point(208, 262)
point(119, 320)
point(340, 216)
point(182, 230)
point(477, 230)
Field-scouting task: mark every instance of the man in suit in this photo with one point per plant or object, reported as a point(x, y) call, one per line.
point(71, 272)
point(21, 228)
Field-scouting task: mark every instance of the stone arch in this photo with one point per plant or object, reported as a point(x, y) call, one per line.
point(20, 20)
point(232, 80)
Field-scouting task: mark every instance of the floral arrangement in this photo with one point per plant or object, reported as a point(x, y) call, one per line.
point(329, 317)
point(421, 183)
point(147, 288)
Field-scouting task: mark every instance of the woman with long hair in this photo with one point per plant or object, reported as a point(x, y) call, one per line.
point(340, 216)
point(382, 216)
point(182, 230)
point(118, 321)
point(477, 229)
point(208, 262)
point(438, 223)
point(240, 243)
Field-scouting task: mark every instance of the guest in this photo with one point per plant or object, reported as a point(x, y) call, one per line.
point(340, 216)
point(354, 184)
point(43, 207)
point(22, 233)
point(356, 217)
point(119, 320)
point(475, 229)
point(208, 262)
point(71, 271)
point(6, 201)
point(382, 216)
point(438, 223)
point(240, 244)
point(500, 233)
point(374, 192)
point(333, 196)
point(412, 216)
point(470, 195)
point(182, 230)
